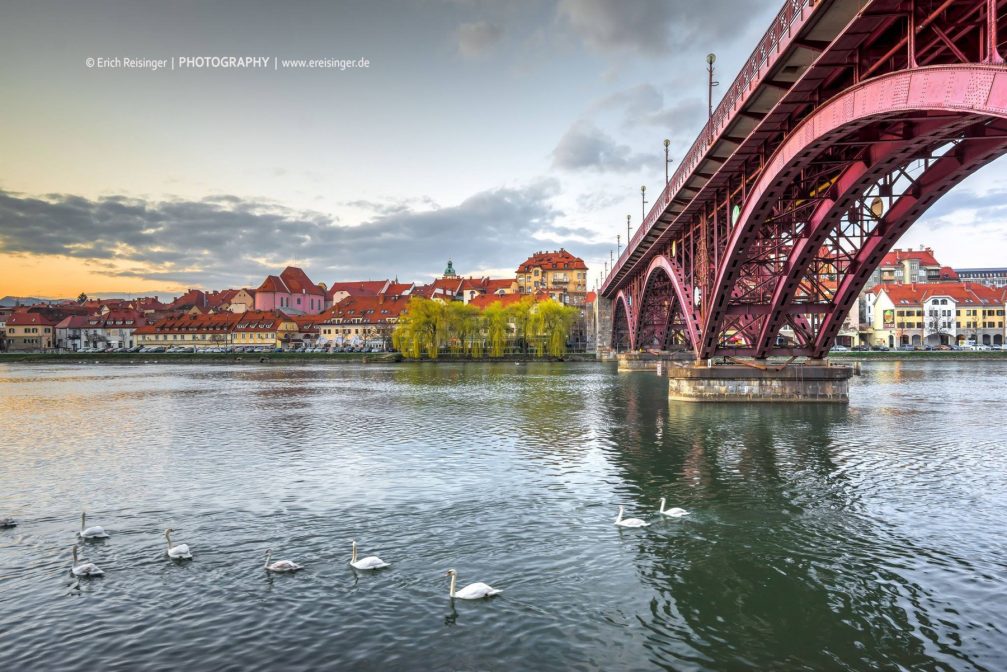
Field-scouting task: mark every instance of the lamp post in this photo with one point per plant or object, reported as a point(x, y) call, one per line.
point(710, 60)
point(667, 160)
point(618, 249)
point(643, 203)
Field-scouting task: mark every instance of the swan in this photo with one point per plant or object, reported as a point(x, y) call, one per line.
point(629, 522)
point(280, 565)
point(8, 522)
point(180, 552)
point(473, 591)
point(96, 532)
point(84, 568)
point(674, 511)
point(370, 562)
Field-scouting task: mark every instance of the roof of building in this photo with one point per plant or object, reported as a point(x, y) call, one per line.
point(358, 288)
point(193, 297)
point(559, 260)
point(998, 271)
point(484, 301)
point(398, 289)
point(261, 320)
point(193, 323)
point(896, 257)
point(74, 322)
point(962, 293)
point(29, 319)
point(369, 309)
point(292, 280)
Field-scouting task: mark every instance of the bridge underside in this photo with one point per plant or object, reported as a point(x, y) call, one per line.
point(772, 265)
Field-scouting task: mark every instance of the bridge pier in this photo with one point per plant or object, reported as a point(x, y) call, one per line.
point(811, 381)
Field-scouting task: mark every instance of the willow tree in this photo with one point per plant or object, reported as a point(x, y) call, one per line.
point(551, 323)
point(519, 314)
point(497, 328)
point(422, 328)
point(464, 329)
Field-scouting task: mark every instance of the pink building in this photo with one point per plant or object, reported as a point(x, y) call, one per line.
point(292, 292)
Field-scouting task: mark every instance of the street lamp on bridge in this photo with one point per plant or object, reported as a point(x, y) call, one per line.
point(710, 60)
point(643, 203)
point(618, 248)
point(627, 230)
point(667, 160)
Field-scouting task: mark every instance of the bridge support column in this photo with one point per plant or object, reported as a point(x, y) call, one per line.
point(602, 326)
point(813, 381)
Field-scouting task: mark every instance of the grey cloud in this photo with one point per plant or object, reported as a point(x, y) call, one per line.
point(586, 147)
point(477, 38)
point(653, 26)
point(226, 240)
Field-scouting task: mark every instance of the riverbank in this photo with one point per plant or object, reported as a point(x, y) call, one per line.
point(257, 358)
point(912, 355)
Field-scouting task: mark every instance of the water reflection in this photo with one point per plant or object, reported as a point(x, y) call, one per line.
point(819, 537)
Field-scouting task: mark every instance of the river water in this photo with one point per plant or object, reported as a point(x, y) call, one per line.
point(819, 537)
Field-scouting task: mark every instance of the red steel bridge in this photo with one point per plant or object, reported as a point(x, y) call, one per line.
point(849, 120)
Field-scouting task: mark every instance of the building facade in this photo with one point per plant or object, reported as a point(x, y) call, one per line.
point(29, 332)
point(921, 315)
point(292, 291)
point(560, 274)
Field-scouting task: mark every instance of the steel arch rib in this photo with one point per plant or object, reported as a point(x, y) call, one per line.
point(678, 286)
point(948, 171)
point(630, 321)
point(856, 177)
point(978, 91)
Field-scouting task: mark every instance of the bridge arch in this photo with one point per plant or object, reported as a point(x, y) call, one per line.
point(667, 298)
point(944, 121)
point(623, 333)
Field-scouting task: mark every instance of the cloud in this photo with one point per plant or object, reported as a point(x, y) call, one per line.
point(586, 147)
point(230, 241)
point(477, 38)
point(654, 27)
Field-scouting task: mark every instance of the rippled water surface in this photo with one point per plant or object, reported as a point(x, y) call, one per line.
point(820, 537)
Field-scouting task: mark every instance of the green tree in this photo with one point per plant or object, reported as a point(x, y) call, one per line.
point(82, 298)
point(551, 323)
point(422, 328)
point(497, 328)
point(519, 314)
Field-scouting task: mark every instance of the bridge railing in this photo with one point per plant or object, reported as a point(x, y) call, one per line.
point(742, 86)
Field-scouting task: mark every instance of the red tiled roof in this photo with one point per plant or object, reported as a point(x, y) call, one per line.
point(484, 301)
point(962, 293)
point(74, 322)
point(559, 260)
point(188, 323)
point(369, 309)
point(299, 283)
point(397, 289)
point(272, 283)
point(260, 320)
point(357, 288)
point(947, 273)
point(26, 319)
point(896, 257)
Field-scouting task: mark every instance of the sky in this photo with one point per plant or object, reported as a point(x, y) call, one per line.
point(480, 131)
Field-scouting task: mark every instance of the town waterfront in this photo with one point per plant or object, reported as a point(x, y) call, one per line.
point(864, 536)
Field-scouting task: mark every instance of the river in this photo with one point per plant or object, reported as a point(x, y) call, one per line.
point(866, 536)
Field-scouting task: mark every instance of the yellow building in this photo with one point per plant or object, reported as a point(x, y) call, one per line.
point(29, 331)
point(559, 274)
point(263, 328)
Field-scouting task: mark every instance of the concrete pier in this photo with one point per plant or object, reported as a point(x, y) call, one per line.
point(652, 361)
point(807, 382)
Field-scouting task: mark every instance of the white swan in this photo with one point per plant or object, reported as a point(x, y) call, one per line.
point(8, 522)
point(280, 565)
point(473, 591)
point(629, 522)
point(84, 568)
point(96, 532)
point(674, 511)
point(370, 562)
point(180, 552)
